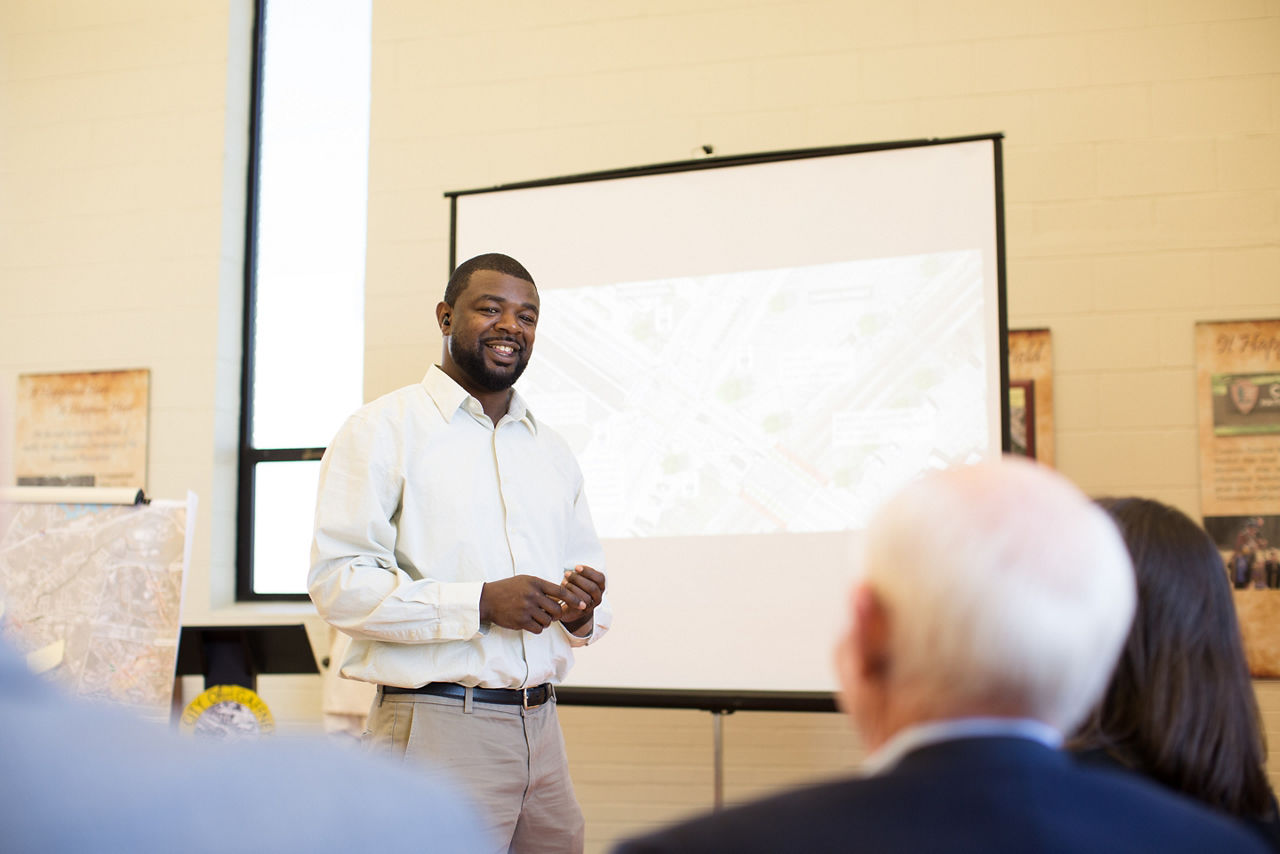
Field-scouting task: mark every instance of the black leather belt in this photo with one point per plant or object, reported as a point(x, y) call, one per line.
point(530, 698)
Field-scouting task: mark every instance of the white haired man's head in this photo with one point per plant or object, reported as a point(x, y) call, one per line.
point(997, 589)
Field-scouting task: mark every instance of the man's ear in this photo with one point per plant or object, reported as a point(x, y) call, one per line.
point(870, 633)
point(861, 658)
point(444, 313)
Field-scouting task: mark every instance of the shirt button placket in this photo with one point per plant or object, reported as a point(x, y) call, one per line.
point(504, 495)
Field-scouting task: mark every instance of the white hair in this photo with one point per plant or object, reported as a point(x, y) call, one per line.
point(1006, 589)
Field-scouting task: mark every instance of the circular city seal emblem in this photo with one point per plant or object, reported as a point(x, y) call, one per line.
point(228, 713)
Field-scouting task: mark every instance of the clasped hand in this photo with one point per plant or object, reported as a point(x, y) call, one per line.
point(531, 603)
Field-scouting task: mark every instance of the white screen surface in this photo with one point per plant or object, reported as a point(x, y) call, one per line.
point(747, 360)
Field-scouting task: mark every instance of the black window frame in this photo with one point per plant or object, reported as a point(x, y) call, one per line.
point(250, 456)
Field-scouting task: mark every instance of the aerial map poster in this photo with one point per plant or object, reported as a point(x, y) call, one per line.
point(92, 594)
point(1238, 398)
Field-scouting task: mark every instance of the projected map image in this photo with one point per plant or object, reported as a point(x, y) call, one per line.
point(786, 400)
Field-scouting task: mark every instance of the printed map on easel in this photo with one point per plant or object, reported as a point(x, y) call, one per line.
point(93, 594)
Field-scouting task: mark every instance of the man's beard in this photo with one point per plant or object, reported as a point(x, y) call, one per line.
point(472, 362)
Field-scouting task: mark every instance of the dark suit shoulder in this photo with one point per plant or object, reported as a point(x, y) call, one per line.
point(1267, 827)
point(970, 795)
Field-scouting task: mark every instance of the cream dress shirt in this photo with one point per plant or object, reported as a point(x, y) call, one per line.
point(421, 501)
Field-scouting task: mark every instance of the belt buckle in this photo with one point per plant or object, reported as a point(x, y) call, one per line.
point(524, 698)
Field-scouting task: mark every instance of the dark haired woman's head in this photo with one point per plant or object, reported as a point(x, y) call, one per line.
point(1180, 706)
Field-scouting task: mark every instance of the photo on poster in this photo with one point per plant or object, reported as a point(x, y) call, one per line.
point(1022, 418)
point(1246, 404)
point(1250, 547)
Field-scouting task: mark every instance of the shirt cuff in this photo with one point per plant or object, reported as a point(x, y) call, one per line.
point(460, 609)
point(580, 640)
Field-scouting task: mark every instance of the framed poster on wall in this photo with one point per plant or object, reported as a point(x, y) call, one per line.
point(1031, 394)
point(1238, 400)
point(86, 429)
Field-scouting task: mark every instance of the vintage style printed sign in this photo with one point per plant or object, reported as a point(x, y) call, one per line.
point(1031, 393)
point(1238, 396)
point(83, 429)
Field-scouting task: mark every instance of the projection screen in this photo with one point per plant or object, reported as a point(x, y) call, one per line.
point(747, 355)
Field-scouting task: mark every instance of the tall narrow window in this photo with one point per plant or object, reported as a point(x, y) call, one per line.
point(304, 278)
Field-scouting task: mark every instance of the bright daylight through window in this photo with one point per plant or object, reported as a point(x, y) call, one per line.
point(305, 284)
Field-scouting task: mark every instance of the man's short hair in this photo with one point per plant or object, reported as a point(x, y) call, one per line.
point(494, 261)
point(1008, 590)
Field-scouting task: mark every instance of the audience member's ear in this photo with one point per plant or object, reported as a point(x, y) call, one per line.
point(846, 667)
point(861, 649)
point(871, 633)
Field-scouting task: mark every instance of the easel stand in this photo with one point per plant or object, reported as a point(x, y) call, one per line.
point(717, 737)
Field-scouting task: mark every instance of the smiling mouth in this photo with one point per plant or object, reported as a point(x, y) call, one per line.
point(504, 349)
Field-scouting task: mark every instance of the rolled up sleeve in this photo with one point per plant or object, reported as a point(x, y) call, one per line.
point(354, 579)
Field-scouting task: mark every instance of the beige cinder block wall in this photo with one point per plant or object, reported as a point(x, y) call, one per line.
point(1142, 192)
point(123, 144)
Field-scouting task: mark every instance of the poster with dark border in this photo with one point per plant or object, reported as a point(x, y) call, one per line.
point(1031, 376)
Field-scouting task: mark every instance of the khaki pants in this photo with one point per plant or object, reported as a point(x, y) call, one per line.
point(510, 760)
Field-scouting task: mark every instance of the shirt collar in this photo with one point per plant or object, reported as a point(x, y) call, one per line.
point(449, 397)
point(914, 737)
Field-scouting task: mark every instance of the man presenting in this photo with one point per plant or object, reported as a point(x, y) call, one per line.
point(454, 545)
point(994, 602)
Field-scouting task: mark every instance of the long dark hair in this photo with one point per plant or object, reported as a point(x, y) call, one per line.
point(1180, 707)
